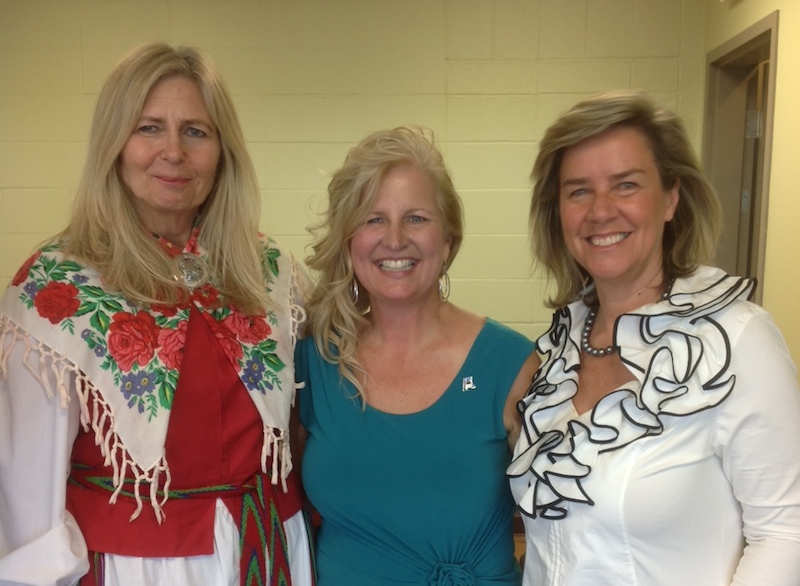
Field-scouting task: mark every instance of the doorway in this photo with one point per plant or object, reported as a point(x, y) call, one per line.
point(737, 143)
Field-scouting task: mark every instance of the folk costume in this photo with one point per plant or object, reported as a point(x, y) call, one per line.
point(151, 441)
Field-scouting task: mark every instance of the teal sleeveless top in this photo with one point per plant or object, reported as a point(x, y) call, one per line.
point(413, 499)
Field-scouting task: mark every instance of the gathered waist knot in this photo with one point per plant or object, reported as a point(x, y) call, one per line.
point(446, 574)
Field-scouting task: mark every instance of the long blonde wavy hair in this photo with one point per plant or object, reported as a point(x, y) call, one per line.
point(105, 230)
point(335, 315)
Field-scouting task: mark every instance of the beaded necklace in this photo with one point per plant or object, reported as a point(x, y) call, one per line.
point(589, 325)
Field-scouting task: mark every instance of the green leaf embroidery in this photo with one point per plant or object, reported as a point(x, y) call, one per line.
point(100, 321)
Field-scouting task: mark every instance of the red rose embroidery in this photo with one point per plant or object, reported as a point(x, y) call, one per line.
point(57, 301)
point(165, 310)
point(250, 329)
point(23, 271)
point(207, 296)
point(132, 339)
point(172, 343)
point(226, 338)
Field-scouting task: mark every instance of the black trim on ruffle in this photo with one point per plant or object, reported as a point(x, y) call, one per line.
point(680, 357)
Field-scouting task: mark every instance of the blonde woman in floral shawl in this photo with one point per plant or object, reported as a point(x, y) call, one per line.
point(661, 435)
point(146, 357)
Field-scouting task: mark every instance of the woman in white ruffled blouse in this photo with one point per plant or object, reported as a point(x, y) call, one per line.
point(661, 435)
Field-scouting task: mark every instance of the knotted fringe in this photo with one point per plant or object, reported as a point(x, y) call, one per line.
point(297, 311)
point(53, 369)
point(276, 444)
point(276, 441)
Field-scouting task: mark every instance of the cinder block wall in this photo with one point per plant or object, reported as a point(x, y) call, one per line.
point(311, 77)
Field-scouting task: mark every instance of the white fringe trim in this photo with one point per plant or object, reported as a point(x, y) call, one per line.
point(278, 440)
point(100, 419)
point(276, 444)
point(298, 312)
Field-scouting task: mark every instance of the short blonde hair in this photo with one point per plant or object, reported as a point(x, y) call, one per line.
point(689, 238)
point(105, 230)
point(334, 315)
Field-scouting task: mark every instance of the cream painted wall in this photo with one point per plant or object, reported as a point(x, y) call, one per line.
point(782, 270)
point(311, 77)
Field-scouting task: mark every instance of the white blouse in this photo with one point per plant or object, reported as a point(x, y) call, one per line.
point(32, 511)
point(690, 475)
point(40, 416)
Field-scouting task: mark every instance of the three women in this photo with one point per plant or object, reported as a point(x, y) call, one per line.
point(660, 439)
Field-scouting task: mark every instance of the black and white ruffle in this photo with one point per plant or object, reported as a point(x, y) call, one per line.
point(680, 357)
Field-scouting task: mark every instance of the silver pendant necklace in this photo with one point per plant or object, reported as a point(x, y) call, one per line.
point(190, 270)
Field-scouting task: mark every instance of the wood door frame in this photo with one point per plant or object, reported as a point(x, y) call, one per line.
point(717, 122)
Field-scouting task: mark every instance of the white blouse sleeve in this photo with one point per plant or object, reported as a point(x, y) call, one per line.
point(758, 439)
point(40, 543)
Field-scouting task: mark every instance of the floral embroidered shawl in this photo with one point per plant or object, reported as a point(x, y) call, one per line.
point(680, 358)
point(126, 359)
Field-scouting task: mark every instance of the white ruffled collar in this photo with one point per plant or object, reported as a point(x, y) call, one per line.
point(679, 356)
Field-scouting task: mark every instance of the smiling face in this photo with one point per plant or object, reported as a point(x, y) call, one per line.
point(613, 208)
point(399, 249)
point(169, 163)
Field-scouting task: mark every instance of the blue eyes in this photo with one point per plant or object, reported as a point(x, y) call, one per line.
point(195, 133)
point(412, 219)
point(153, 129)
point(623, 187)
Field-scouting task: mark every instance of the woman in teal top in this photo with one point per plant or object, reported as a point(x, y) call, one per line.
point(409, 402)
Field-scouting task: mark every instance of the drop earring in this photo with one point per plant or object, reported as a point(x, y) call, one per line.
point(444, 283)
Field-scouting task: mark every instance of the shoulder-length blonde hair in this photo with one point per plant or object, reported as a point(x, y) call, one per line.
point(334, 313)
point(689, 238)
point(105, 230)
